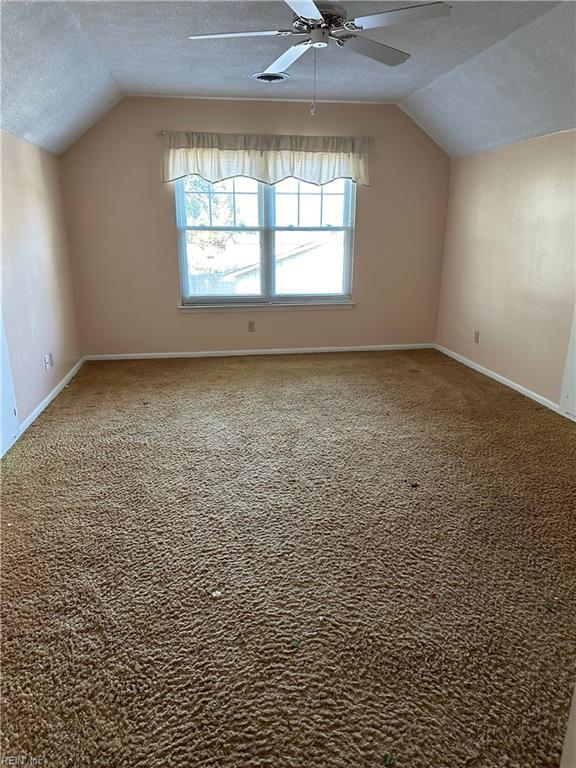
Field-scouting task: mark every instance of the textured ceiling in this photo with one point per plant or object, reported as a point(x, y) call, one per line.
point(55, 85)
point(489, 74)
point(521, 87)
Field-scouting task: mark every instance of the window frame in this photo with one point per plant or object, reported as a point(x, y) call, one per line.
point(267, 229)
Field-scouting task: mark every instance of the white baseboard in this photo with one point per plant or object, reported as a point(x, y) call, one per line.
point(10, 444)
point(245, 352)
point(310, 350)
point(214, 353)
point(283, 351)
point(48, 399)
point(502, 379)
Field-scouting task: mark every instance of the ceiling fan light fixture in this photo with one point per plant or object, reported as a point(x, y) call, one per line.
point(270, 77)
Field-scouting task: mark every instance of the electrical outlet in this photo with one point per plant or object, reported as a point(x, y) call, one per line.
point(251, 326)
point(476, 337)
point(47, 362)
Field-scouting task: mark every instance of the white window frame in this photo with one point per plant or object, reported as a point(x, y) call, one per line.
point(267, 230)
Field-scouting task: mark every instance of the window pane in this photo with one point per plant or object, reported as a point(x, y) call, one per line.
point(223, 263)
point(243, 184)
point(196, 184)
point(287, 185)
point(246, 210)
point(333, 211)
point(309, 189)
point(287, 210)
point(222, 210)
point(223, 186)
point(309, 263)
point(310, 207)
point(197, 210)
point(336, 186)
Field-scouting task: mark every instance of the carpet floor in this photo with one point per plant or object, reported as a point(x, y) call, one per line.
point(312, 561)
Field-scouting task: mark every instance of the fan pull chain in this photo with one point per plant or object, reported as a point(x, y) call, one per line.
point(313, 110)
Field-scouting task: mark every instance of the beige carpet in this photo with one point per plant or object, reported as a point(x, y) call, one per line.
point(324, 561)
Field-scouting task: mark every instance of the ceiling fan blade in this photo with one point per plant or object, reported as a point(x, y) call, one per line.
point(382, 53)
point(400, 15)
point(288, 57)
point(256, 33)
point(306, 9)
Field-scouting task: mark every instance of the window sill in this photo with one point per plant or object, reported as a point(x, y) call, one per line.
point(306, 305)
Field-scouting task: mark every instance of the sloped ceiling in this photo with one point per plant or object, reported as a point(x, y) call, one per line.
point(523, 86)
point(55, 84)
point(490, 74)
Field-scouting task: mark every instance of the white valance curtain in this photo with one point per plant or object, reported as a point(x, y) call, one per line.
point(219, 156)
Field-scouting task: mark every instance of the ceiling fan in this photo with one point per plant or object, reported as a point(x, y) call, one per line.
point(322, 22)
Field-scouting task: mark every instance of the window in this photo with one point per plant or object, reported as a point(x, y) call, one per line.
point(242, 241)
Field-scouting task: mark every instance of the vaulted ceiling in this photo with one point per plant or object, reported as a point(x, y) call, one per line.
point(489, 74)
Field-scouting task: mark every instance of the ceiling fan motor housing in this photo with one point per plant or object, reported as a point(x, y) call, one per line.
point(334, 16)
point(319, 37)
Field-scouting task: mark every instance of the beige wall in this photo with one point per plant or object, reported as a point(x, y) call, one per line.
point(508, 271)
point(569, 752)
point(37, 291)
point(123, 232)
point(509, 265)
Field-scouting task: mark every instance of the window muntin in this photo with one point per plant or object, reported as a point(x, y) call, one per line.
point(242, 241)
